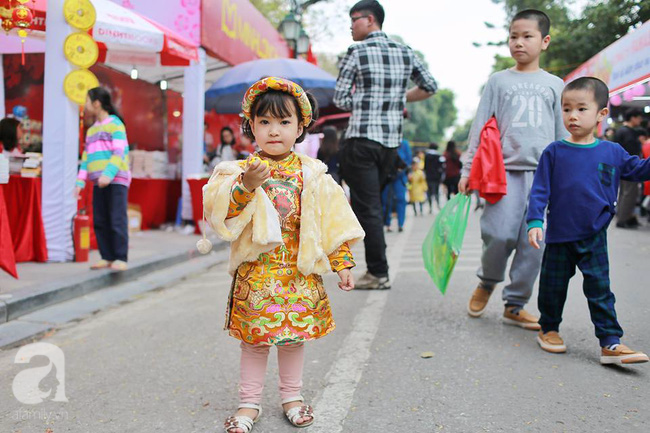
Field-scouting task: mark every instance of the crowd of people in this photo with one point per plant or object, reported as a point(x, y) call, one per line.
point(275, 194)
point(549, 228)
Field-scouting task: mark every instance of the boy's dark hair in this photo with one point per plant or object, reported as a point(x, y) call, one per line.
point(9, 133)
point(642, 132)
point(276, 103)
point(632, 112)
point(593, 85)
point(433, 146)
point(370, 7)
point(543, 21)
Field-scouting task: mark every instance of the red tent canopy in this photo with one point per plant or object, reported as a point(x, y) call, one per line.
point(174, 49)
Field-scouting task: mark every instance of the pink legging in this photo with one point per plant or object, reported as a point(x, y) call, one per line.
point(253, 369)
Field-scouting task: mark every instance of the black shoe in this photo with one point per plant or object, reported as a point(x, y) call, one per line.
point(401, 229)
point(627, 225)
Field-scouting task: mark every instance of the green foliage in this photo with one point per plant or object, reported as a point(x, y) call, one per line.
point(273, 10)
point(502, 62)
point(461, 133)
point(429, 119)
point(575, 39)
point(329, 62)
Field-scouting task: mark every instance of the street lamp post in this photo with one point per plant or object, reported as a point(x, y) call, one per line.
point(291, 27)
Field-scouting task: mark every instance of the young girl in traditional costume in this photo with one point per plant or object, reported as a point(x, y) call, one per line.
point(288, 222)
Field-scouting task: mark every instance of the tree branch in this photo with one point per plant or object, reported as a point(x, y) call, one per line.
point(305, 5)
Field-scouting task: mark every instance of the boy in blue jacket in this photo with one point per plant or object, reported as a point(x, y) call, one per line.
point(577, 180)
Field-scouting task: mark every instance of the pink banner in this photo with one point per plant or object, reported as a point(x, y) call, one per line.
point(236, 32)
point(182, 16)
point(624, 62)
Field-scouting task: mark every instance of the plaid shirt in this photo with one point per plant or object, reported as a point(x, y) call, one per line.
point(379, 69)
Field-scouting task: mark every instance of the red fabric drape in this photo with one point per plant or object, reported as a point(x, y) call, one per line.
point(196, 190)
point(23, 199)
point(157, 198)
point(7, 256)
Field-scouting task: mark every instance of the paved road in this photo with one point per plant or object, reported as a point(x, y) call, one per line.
point(163, 363)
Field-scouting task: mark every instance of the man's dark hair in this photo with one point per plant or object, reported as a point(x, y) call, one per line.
point(543, 21)
point(593, 85)
point(632, 112)
point(433, 146)
point(642, 132)
point(371, 7)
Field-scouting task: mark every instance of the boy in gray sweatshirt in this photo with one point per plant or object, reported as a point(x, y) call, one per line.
point(526, 102)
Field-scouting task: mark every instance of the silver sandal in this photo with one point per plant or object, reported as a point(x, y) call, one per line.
point(298, 412)
point(243, 422)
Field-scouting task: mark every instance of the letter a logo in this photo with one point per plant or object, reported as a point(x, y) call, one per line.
point(26, 383)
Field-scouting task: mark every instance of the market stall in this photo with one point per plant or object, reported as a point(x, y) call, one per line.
point(121, 36)
point(138, 38)
point(22, 197)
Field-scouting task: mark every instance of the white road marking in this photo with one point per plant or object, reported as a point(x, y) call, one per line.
point(343, 377)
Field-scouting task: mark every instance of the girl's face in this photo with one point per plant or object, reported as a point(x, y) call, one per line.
point(92, 107)
point(276, 136)
point(226, 136)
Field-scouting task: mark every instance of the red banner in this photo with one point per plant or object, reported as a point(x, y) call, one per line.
point(236, 32)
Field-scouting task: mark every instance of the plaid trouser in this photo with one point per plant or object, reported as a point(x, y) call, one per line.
point(559, 265)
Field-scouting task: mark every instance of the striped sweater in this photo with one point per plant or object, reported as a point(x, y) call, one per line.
point(106, 153)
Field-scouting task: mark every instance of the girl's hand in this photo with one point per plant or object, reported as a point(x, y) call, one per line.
point(256, 173)
point(535, 236)
point(77, 193)
point(103, 181)
point(347, 280)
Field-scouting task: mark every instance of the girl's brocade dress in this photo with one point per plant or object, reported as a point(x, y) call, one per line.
point(271, 302)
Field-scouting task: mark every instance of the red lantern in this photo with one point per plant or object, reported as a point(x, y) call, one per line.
point(7, 25)
point(22, 17)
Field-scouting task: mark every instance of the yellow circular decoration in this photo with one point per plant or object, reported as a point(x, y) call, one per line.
point(77, 83)
point(79, 13)
point(22, 33)
point(81, 49)
point(22, 2)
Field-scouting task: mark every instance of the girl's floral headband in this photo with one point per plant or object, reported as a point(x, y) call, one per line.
point(282, 85)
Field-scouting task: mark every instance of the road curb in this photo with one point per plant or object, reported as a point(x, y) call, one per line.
point(33, 298)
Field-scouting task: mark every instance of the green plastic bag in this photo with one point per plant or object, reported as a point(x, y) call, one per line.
point(441, 247)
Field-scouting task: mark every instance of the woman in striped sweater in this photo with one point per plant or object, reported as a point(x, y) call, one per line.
point(105, 162)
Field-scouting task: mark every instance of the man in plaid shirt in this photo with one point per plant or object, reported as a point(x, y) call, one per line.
point(372, 84)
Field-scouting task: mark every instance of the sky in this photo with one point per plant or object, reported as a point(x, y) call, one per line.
point(443, 30)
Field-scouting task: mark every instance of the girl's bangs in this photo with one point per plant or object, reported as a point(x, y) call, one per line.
point(276, 104)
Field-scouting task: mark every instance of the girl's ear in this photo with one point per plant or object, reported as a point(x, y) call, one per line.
point(251, 125)
point(300, 129)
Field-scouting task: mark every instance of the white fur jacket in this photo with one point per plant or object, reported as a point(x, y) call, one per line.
point(326, 221)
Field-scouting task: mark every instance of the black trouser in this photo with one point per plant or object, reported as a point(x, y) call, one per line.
point(110, 221)
point(433, 186)
point(452, 186)
point(365, 165)
point(627, 196)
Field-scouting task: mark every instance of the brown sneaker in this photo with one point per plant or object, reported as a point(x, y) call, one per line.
point(521, 318)
point(622, 355)
point(479, 301)
point(551, 342)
